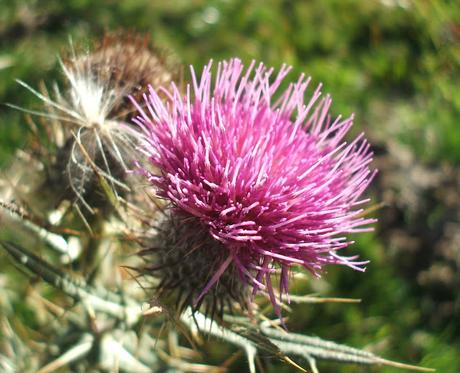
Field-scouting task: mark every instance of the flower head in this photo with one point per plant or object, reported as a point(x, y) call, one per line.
point(89, 118)
point(263, 173)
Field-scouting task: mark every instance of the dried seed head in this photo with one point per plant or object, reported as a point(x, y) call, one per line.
point(183, 257)
point(89, 121)
point(126, 65)
point(76, 165)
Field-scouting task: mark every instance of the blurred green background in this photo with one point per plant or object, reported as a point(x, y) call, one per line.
point(394, 63)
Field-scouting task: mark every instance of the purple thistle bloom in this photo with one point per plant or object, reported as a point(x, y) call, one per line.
point(265, 173)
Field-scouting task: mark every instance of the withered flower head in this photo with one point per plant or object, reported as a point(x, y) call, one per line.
point(89, 119)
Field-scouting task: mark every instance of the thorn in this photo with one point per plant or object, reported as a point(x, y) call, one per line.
point(152, 311)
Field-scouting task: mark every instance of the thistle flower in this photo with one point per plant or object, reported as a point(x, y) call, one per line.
point(258, 181)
